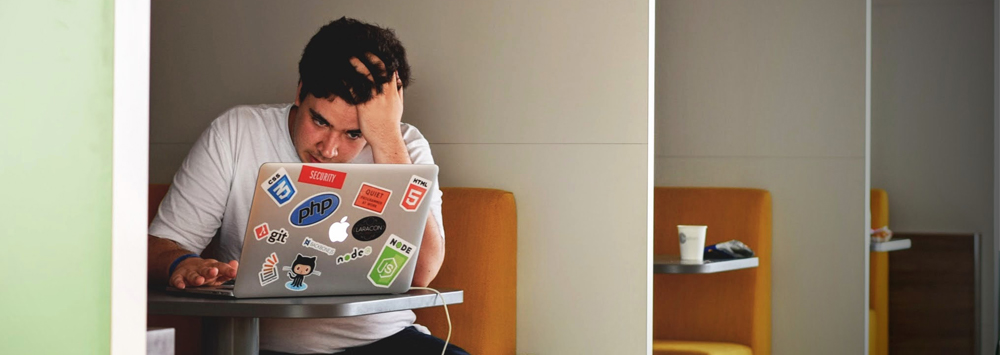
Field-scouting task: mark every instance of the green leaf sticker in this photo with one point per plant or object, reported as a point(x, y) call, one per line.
point(395, 253)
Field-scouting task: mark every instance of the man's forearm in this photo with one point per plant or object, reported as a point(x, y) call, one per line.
point(390, 151)
point(162, 252)
point(431, 254)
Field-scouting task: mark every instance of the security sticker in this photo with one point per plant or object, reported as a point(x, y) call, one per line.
point(322, 177)
point(268, 271)
point(395, 253)
point(372, 198)
point(415, 193)
point(354, 255)
point(302, 266)
point(279, 236)
point(261, 231)
point(310, 243)
point(368, 228)
point(314, 209)
point(279, 187)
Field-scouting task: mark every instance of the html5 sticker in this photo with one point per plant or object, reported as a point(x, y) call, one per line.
point(322, 177)
point(262, 231)
point(372, 198)
point(279, 187)
point(415, 193)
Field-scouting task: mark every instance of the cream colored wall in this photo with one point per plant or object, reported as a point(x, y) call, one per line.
point(932, 124)
point(771, 94)
point(545, 99)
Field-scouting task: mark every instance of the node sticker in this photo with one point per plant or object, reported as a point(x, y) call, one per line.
point(415, 193)
point(354, 255)
point(310, 243)
point(261, 231)
point(372, 198)
point(395, 253)
point(268, 273)
point(368, 229)
point(302, 266)
point(314, 209)
point(322, 177)
point(279, 187)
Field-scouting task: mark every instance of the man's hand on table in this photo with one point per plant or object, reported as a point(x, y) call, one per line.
point(203, 272)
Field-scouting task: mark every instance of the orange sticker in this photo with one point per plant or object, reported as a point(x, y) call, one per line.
point(372, 198)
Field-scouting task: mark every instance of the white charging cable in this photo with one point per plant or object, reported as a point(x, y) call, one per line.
point(446, 314)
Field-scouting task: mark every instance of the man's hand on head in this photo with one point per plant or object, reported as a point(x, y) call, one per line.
point(380, 117)
point(203, 272)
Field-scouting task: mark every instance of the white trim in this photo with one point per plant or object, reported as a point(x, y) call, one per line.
point(130, 170)
point(650, 158)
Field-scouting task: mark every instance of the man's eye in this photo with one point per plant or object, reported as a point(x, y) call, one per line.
point(319, 122)
point(354, 135)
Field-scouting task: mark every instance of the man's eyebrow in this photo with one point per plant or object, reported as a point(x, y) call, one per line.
point(319, 117)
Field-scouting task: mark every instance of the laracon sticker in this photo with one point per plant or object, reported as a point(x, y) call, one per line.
point(322, 177)
point(314, 209)
point(279, 187)
point(368, 229)
point(415, 193)
point(395, 253)
point(268, 271)
point(338, 230)
point(302, 266)
point(261, 231)
point(310, 243)
point(372, 198)
point(354, 255)
point(279, 236)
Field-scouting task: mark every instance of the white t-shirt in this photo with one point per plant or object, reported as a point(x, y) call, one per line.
point(212, 191)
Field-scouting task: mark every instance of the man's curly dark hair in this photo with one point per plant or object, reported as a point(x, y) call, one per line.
point(325, 69)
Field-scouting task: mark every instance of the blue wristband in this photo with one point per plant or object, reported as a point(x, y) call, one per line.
point(177, 261)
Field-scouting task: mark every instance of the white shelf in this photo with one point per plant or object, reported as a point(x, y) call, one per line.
point(892, 245)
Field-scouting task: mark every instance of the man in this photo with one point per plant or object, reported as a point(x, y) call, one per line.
point(347, 109)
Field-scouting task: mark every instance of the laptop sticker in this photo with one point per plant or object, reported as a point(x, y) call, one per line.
point(322, 177)
point(415, 193)
point(338, 230)
point(395, 253)
point(310, 243)
point(372, 198)
point(279, 236)
point(314, 209)
point(279, 187)
point(268, 270)
point(261, 231)
point(353, 255)
point(302, 266)
point(368, 228)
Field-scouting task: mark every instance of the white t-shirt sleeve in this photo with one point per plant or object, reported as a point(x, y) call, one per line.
point(420, 153)
point(192, 210)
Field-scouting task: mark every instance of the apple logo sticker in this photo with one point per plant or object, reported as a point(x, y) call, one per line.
point(338, 230)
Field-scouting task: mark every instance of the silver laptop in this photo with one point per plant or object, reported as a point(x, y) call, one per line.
point(331, 229)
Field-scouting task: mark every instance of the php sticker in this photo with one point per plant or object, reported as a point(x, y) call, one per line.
point(310, 243)
point(395, 253)
point(314, 209)
point(279, 187)
point(322, 177)
point(415, 193)
point(279, 236)
point(368, 228)
point(268, 273)
point(261, 231)
point(302, 266)
point(372, 198)
point(354, 255)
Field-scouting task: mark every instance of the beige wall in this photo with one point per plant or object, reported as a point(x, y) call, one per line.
point(771, 94)
point(932, 123)
point(545, 99)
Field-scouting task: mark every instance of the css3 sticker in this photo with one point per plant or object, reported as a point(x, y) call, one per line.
point(302, 266)
point(415, 193)
point(268, 273)
point(279, 187)
point(314, 209)
point(395, 254)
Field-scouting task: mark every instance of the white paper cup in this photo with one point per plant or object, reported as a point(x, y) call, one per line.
point(692, 240)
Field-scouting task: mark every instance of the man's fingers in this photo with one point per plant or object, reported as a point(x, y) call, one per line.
point(177, 281)
point(194, 279)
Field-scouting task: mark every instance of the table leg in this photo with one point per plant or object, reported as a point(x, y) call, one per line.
point(231, 335)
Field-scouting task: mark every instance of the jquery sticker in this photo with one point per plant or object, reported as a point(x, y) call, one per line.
point(395, 254)
point(322, 177)
point(279, 187)
point(268, 273)
point(314, 209)
point(372, 198)
point(368, 228)
point(415, 193)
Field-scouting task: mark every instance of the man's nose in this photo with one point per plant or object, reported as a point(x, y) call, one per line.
point(328, 148)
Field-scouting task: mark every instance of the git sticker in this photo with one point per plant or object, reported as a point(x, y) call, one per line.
point(395, 253)
point(279, 187)
point(268, 273)
point(372, 198)
point(277, 236)
point(262, 231)
point(322, 177)
point(414, 193)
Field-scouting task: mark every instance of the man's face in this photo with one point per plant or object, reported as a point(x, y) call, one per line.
point(325, 130)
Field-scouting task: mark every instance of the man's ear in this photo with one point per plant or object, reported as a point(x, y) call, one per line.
point(298, 94)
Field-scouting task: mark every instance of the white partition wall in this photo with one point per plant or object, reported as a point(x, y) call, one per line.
point(771, 94)
point(547, 99)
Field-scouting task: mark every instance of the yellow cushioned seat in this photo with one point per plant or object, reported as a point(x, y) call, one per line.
point(669, 347)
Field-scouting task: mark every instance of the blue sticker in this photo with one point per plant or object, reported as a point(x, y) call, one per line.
point(279, 187)
point(314, 209)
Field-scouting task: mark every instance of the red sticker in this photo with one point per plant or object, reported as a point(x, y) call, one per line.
point(414, 193)
point(261, 231)
point(372, 198)
point(322, 177)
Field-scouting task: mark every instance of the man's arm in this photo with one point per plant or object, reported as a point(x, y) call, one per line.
point(193, 271)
